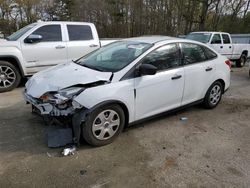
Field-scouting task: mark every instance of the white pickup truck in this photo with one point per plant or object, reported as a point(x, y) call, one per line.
point(222, 43)
point(44, 44)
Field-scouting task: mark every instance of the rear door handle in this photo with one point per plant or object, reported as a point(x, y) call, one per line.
point(176, 77)
point(93, 45)
point(209, 69)
point(230, 46)
point(221, 47)
point(60, 47)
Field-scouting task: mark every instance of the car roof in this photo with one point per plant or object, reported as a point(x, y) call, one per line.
point(151, 39)
point(160, 40)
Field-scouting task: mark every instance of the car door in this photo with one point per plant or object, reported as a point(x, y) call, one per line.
point(50, 51)
point(216, 43)
point(199, 68)
point(227, 49)
point(81, 40)
point(162, 91)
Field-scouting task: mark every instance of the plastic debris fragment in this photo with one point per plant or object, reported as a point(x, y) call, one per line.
point(69, 151)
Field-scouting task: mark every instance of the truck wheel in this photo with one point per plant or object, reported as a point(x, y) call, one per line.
point(242, 61)
point(103, 125)
point(9, 76)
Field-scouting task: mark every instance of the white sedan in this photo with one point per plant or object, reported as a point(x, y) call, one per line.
point(127, 81)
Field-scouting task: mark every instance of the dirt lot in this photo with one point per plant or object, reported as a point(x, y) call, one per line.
point(210, 149)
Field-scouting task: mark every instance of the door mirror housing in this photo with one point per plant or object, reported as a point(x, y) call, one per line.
point(33, 39)
point(147, 69)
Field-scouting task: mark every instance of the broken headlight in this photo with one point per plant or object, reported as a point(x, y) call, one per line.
point(63, 98)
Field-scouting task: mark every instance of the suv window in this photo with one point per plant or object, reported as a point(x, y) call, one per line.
point(193, 53)
point(216, 39)
point(165, 57)
point(79, 32)
point(209, 53)
point(49, 33)
point(226, 39)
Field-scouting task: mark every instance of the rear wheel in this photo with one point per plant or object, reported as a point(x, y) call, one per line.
point(9, 76)
point(242, 61)
point(103, 125)
point(213, 95)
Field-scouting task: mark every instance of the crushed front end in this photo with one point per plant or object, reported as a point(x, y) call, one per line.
point(60, 108)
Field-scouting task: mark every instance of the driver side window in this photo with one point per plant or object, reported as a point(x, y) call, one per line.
point(163, 58)
point(49, 33)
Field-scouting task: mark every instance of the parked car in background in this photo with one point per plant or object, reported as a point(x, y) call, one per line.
point(41, 45)
point(128, 81)
point(222, 43)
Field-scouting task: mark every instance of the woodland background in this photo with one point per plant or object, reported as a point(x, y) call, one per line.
point(126, 18)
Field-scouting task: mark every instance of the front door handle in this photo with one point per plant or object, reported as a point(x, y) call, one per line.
point(60, 47)
point(176, 77)
point(93, 45)
point(230, 46)
point(221, 47)
point(209, 69)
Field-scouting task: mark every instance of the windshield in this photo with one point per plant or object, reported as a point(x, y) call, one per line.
point(115, 56)
point(200, 37)
point(20, 32)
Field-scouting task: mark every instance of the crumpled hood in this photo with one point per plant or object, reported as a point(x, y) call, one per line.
point(63, 76)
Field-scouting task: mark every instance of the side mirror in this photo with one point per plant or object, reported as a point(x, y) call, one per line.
point(147, 69)
point(33, 39)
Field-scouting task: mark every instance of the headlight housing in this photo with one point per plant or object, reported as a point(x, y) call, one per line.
point(62, 98)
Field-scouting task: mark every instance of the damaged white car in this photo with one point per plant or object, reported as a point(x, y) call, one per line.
point(128, 81)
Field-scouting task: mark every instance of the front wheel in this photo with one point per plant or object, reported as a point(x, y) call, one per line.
point(242, 61)
point(213, 95)
point(103, 125)
point(9, 76)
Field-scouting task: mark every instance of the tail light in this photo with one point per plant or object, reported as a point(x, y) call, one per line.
point(229, 63)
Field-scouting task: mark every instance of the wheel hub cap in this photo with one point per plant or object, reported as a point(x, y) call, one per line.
point(2, 77)
point(215, 95)
point(106, 124)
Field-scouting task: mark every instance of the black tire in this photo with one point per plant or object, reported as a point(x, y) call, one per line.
point(8, 72)
point(90, 136)
point(208, 102)
point(242, 61)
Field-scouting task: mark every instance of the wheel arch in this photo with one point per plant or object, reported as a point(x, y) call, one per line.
point(13, 60)
point(222, 82)
point(114, 102)
point(245, 52)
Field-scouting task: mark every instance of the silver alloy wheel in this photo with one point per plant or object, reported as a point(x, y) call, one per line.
point(215, 94)
point(106, 124)
point(7, 76)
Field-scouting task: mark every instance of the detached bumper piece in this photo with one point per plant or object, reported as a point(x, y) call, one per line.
point(60, 137)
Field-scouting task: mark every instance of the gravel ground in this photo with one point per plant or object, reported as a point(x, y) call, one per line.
point(210, 149)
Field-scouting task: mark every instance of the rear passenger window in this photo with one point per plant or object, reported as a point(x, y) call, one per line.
point(209, 53)
point(226, 39)
point(79, 32)
point(163, 58)
point(50, 33)
point(193, 53)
